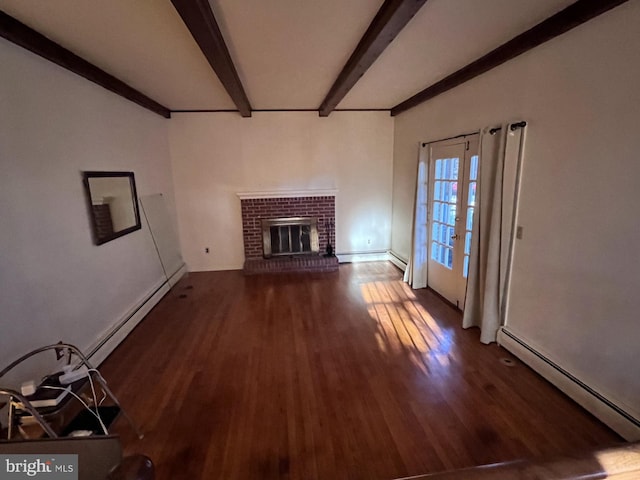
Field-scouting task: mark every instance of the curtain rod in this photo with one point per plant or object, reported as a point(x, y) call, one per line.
point(513, 127)
point(450, 138)
point(493, 131)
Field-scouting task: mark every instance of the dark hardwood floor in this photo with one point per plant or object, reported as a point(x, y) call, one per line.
point(347, 375)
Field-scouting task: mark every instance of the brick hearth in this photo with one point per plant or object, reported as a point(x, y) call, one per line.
point(255, 209)
point(297, 263)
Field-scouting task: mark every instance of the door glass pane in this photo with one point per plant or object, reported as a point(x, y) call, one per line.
point(437, 191)
point(437, 207)
point(445, 212)
point(438, 168)
point(467, 243)
point(449, 257)
point(473, 175)
point(450, 233)
point(472, 194)
point(451, 217)
point(434, 251)
point(450, 169)
point(466, 266)
point(470, 218)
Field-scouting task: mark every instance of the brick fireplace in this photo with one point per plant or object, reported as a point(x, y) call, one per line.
point(259, 207)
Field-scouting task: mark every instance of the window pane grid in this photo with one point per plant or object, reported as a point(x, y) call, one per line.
point(445, 197)
point(442, 254)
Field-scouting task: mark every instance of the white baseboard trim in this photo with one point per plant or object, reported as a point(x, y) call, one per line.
point(101, 349)
point(397, 260)
point(604, 409)
point(175, 278)
point(353, 257)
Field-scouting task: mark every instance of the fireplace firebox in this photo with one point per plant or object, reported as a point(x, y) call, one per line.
point(290, 236)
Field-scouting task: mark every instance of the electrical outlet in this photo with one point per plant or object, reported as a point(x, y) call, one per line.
point(206, 250)
point(519, 232)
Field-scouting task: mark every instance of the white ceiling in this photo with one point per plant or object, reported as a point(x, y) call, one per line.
point(287, 52)
point(144, 43)
point(444, 36)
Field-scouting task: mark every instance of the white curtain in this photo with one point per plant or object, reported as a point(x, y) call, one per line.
point(416, 272)
point(493, 226)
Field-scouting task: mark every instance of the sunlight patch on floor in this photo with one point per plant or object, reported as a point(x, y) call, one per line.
point(623, 462)
point(404, 326)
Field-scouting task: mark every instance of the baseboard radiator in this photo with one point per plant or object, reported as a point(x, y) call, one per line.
point(364, 256)
point(110, 339)
point(611, 414)
point(397, 260)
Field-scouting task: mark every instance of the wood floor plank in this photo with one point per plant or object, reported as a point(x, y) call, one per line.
point(343, 375)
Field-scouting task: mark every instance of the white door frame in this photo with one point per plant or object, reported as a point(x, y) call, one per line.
point(449, 282)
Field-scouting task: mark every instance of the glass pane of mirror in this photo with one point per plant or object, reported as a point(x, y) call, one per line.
point(113, 204)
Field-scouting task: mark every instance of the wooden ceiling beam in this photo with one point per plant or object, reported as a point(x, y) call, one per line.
point(26, 37)
point(563, 21)
point(199, 19)
point(392, 17)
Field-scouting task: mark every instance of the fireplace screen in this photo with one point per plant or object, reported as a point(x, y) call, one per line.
point(290, 236)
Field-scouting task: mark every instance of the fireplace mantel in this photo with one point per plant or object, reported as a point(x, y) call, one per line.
point(287, 194)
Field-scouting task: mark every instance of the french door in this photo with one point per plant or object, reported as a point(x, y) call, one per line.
point(453, 174)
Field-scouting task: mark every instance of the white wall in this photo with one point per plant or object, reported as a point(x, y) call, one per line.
point(576, 272)
point(217, 155)
point(55, 284)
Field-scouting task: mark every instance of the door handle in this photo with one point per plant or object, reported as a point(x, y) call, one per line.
point(455, 237)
